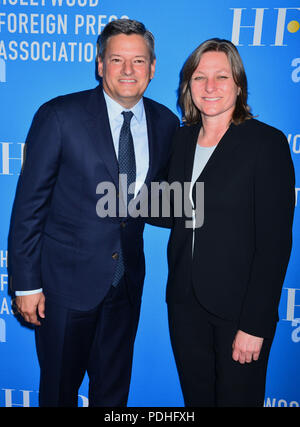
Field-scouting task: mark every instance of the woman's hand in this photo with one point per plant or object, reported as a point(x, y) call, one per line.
point(246, 347)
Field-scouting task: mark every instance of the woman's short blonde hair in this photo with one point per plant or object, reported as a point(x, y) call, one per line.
point(190, 113)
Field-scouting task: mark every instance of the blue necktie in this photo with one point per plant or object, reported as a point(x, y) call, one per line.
point(127, 167)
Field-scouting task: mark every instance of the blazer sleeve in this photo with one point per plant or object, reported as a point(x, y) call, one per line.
point(274, 202)
point(32, 199)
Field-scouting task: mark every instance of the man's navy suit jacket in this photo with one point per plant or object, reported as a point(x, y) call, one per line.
point(57, 241)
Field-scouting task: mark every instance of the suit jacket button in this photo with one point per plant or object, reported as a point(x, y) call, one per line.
point(123, 224)
point(115, 255)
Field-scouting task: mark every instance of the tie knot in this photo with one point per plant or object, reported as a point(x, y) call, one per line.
point(127, 116)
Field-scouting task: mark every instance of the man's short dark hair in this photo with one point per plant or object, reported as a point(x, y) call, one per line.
point(128, 27)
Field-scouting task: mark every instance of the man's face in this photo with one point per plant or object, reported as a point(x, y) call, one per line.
point(126, 69)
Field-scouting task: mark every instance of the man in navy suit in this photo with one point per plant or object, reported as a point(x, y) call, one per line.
point(64, 257)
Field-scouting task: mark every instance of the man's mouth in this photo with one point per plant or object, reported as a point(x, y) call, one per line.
point(127, 81)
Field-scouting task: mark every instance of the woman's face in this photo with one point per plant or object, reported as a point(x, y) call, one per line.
point(213, 89)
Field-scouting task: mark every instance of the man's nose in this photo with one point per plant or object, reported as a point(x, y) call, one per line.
point(127, 67)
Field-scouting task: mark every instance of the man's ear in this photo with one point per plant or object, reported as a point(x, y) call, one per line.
point(152, 69)
point(100, 67)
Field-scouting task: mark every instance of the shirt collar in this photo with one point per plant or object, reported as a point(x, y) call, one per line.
point(115, 109)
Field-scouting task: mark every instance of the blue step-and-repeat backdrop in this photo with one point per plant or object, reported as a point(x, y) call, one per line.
point(47, 48)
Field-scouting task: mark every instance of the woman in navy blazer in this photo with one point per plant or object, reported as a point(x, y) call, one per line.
point(226, 275)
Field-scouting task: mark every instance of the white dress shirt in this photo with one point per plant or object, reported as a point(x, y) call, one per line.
point(138, 127)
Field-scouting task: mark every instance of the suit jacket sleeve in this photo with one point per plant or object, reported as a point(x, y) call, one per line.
point(33, 195)
point(274, 203)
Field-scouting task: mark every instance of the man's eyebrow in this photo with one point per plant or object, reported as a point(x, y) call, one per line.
point(120, 55)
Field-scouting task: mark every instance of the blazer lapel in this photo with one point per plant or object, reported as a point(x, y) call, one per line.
point(190, 151)
point(227, 143)
point(100, 133)
point(221, 152)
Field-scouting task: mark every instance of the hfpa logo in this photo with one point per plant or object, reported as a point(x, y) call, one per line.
point(276, 20)
point(2, 71)
point(291, 312)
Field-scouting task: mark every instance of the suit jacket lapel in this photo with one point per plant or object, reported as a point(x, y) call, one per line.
point(153, 139)
point(100, 133)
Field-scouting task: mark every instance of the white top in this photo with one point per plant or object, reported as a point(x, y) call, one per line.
point(202, 155)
